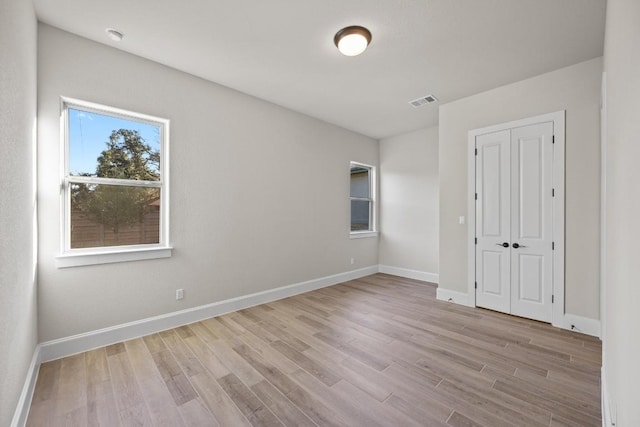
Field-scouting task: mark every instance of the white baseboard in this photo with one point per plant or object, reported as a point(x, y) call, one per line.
point(581, 324)
point(453, 296)
point(24, 402)
point(409, 274)
point(67, 346)
point(607, 417)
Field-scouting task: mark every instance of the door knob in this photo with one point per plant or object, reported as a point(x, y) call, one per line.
point(504, 245)
point(516, 246)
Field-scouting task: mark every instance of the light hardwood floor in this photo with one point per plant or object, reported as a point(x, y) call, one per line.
point(380, 350)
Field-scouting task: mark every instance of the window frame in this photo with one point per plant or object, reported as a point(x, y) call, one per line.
point(70, 257)
point(372, 231)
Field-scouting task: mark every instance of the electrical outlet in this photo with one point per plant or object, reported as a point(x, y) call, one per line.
point(353, 261)
point(179, 294)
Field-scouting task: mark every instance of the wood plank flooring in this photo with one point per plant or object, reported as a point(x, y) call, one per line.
point(378, 351)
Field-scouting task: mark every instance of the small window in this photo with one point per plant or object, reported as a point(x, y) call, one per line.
point(115, 183)
point(361, 196)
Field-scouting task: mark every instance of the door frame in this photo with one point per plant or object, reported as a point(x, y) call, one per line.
point(558, 206)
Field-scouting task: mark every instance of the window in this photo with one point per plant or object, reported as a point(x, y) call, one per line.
point(361, 196)
point(115, 185)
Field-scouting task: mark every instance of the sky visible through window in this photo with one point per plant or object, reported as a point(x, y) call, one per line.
point(89, 132)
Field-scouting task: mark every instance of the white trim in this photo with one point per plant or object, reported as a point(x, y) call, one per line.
point(603, 214)
point(559, 218)
point(608, 418)
point(113, 111)
point(409, 274)
point(362, 234)
point(455, 297)
point(373, 208)
point(103, 255)
point(471, 219)
point(558, 119)
point(122, 255)
point(67, 346)
point(583, 325)
point(115, 181)
point(24, 402)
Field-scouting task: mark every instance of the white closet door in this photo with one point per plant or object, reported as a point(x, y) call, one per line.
point(514, 262)
point(493, 226)
point(531, 221)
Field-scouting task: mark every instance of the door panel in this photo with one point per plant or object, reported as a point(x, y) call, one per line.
point(491, 191)
point(492, 277)
point(492, 221)
point(531, 277)
point(530, 179)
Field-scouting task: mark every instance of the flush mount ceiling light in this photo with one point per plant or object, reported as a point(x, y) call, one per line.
point(353, 40)
point(114, 35)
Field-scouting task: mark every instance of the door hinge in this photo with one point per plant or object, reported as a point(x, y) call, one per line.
point(553, 139)
point(553, 192)
point(476, 196)
point(553, 246)
point(552, 299)
point(476, 151)
point(476, 285)
point(476, 240)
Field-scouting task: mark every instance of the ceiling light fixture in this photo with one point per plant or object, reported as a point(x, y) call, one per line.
point(114, 35)
point(353, 40)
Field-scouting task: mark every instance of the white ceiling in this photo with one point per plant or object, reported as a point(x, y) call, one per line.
point(282, 50)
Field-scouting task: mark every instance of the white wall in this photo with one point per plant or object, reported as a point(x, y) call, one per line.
point(259, 194)
point(622, 314)
point(409, 201)
point(575, 89)
point(18, 311)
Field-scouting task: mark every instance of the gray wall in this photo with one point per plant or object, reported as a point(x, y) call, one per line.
point(18, 311)
point(409, 201)
point(622, 292)
point(575, 89)
point(271, 184)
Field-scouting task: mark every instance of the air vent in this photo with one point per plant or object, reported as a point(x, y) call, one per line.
point(424, 100)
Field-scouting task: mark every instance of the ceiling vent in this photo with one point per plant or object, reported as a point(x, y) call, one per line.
point(424, 100)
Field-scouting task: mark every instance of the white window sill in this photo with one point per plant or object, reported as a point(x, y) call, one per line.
point(80, 258)
point(362, 234)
